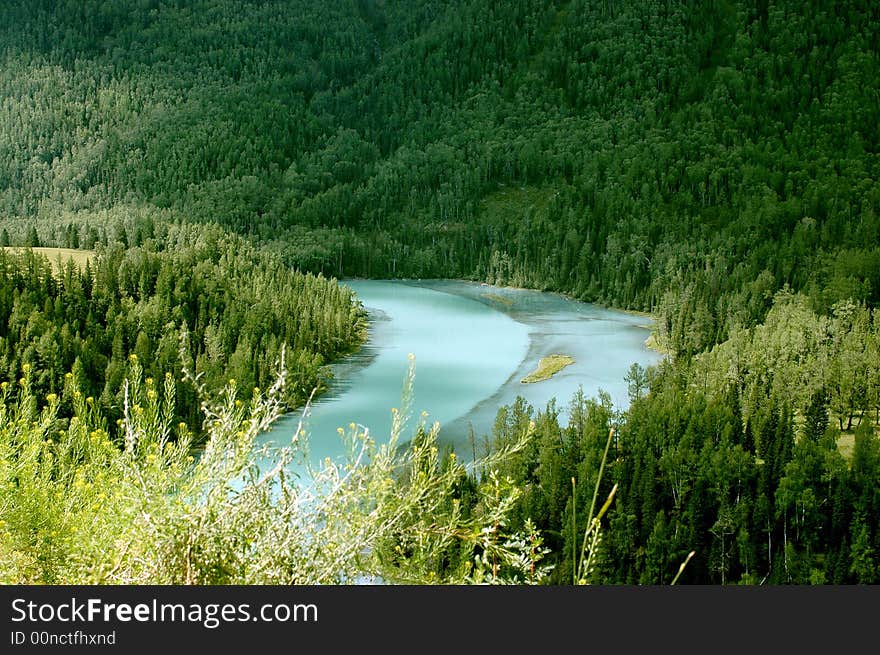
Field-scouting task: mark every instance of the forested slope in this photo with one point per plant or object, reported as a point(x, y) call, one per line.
point(190, 297)
point(760, 456)
point(689, 158)
point(715, 163)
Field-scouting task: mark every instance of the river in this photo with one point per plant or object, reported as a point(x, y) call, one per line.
point(471, 343)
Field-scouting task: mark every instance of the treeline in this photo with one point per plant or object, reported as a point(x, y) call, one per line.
point(761, 456)
point(192, 297)
point(687, 158)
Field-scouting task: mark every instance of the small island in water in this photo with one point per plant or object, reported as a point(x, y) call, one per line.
point(547, 368)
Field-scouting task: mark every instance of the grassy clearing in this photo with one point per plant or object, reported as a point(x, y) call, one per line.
point(79, 257)
point(547, 368)
point(846, 439)
point(846, 443)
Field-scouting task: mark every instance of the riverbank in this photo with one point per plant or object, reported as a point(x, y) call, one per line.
point(653, 343)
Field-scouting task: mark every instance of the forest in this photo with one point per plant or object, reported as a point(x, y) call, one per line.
point(192, 297)
point(712, 163)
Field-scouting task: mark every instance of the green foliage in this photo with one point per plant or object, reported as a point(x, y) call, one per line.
point(687, 159)
point(733, 455)
point(713, 163)
point(77, 507)
point(235, 309)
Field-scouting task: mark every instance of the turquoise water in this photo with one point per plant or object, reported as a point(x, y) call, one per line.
point(472, 343)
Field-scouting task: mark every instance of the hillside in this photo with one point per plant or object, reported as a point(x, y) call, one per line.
point(713, 163)
point(686, 158)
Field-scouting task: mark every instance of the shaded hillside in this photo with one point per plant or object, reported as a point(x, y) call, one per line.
point(689, 158)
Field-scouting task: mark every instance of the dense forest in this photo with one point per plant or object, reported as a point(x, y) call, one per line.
point(193, 298)
point(761, 456)
point(688, 158)
point(714, 163)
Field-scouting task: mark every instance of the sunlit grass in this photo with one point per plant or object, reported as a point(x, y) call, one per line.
point(79, 257)
point(846, 443)
point(547, 368)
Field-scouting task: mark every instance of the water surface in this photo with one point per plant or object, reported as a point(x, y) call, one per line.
point(472, 343)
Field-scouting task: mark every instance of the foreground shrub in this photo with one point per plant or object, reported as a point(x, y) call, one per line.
point(145, 508)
